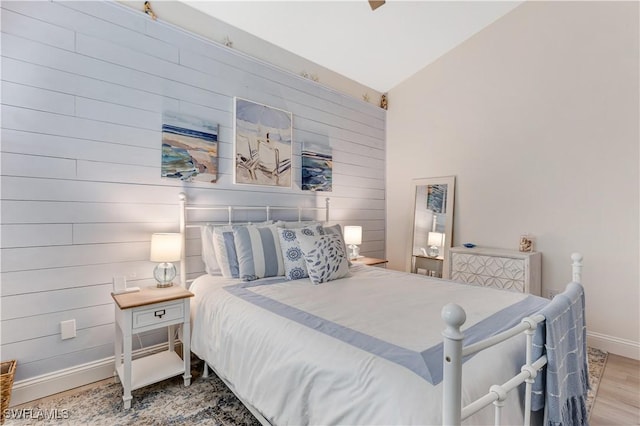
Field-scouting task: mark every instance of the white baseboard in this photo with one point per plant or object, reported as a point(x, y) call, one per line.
point(62, 380)
point(614, 345)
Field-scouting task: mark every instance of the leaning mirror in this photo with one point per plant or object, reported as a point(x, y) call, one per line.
point(432, 225)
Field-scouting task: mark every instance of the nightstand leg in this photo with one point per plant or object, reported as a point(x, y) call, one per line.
point(117, 353)
point(171, 337)
point(126, 379)
point(186, 344)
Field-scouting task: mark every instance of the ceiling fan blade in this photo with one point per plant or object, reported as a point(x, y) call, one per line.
point(375, 4)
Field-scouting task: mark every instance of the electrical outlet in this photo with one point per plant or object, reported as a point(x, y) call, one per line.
point(68, 329)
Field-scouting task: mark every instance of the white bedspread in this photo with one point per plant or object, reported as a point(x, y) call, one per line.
point(296, 372)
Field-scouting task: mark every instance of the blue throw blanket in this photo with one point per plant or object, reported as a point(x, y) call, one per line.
point(562, 336)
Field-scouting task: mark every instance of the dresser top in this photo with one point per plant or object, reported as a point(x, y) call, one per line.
point(492, 251)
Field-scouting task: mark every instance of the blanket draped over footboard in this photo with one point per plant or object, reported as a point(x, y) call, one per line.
point(562, 336)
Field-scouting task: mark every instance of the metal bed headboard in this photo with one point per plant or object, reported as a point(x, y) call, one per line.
point(184, 208)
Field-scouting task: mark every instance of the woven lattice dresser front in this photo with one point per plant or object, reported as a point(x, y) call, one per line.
point(497, 268)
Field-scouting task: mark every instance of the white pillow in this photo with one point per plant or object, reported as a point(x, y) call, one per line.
point(294, 264)
point(208, 252)
point(325, 257)
point(258, 252)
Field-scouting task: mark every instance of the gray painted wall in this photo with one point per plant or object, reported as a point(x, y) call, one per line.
point(84, 85)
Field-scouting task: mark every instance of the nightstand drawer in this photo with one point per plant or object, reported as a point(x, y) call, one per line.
point(165, 313)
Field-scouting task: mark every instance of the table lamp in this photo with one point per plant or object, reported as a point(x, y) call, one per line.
point(435, 241)
point(353, 237)
point(165, 248)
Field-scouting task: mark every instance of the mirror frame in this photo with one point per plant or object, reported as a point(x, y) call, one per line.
point(448, 236)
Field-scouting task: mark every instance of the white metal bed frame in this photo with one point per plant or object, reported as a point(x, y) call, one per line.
point(454, 316)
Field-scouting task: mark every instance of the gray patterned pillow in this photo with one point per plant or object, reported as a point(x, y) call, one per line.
point(294, 264)
point(337, 229)
point(325, 257)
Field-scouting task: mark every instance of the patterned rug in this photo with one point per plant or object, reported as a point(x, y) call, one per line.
point(205, 402)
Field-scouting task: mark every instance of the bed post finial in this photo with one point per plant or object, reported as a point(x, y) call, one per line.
point(454, 316)
point(326, 211)
point(576, 267)
point(182, 197)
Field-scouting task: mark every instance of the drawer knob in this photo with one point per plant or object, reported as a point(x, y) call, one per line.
point(159, 313)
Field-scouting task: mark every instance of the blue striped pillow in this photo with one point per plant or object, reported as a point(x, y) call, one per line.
point(258, 252)
point(225, 250)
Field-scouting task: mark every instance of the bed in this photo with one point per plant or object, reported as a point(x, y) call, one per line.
point(367, 347)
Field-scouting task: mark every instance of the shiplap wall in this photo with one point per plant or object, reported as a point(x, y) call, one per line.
point(84, 85)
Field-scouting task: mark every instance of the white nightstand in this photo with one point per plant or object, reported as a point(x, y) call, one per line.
point(427, 265)
point(149, 309)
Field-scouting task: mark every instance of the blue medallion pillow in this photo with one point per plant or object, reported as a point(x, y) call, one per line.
point(325, 257)
point(294, 265)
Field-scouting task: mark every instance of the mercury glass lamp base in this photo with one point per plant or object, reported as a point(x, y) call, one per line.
point(433, 251)
point(164, 273)
point(354, 251)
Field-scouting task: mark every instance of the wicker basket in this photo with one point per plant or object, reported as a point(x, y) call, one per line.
point(6, 384)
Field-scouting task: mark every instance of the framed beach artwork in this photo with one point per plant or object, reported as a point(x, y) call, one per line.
point(262, 145)
point(189, 148)
point(437, 198)
point(317, 167)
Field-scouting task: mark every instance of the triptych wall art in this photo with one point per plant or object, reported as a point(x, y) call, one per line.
point(262, 149)
point(317, 167)
point(189, 148)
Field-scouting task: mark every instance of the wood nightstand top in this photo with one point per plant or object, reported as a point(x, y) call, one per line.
point(150, 295)
point(370, 261)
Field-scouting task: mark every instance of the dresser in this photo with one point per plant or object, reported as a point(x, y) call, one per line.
point(497, 268)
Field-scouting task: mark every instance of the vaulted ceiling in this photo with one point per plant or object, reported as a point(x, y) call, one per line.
point(378, 49)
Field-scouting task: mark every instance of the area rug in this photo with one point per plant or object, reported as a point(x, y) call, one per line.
point(597, 362)
point(205, 402)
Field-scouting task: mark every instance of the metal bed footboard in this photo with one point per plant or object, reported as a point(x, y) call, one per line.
point(453, 413)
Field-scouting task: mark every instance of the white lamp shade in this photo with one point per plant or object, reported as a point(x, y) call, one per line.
point(166, 247)
point(353, 234)
point(435, 239)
